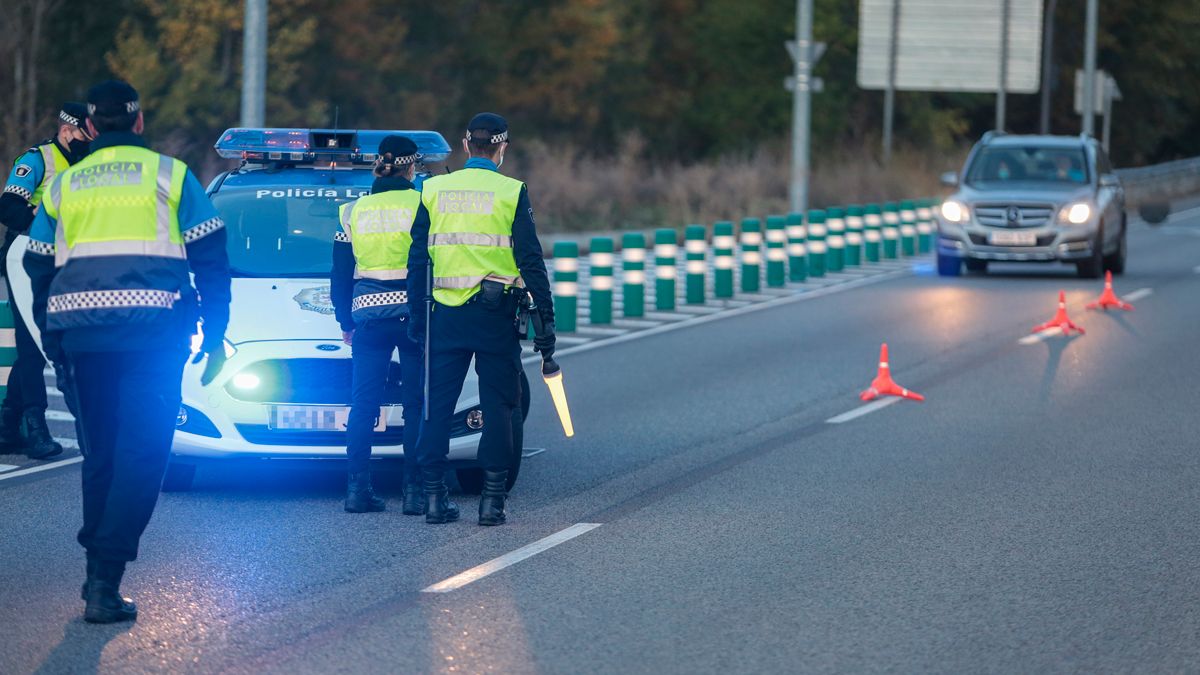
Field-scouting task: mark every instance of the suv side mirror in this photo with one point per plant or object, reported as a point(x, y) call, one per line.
point(1110, 180)
point(950, 179)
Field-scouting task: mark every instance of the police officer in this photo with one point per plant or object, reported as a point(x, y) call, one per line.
point(23, 415)
point(476, 230)
point(109, 259)
point(370, 301)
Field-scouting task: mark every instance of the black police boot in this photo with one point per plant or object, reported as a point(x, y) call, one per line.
point(102, 594)
point(10, 429)
point(40, 444)
point(491, 500)
point(360, 496)
point(438, 507)
point(414, 496)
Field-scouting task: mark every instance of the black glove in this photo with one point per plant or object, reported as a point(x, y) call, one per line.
point(216, 361)
point(543, 340)
point(416, 332)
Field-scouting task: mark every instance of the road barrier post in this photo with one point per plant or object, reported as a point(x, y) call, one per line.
point(665, 273)
point(633, 263)
point(891, 230)
point(835, 259)
point(751, 254)
point(924, 225)
point(854, 235)
point(776, 253)
point(566, 285)
point(696, 246)
point(723, 259)
point(601, 265)
point(908, 227)
point(816, 243)
point(797, 250)
point(873, 237)
point(8, 345)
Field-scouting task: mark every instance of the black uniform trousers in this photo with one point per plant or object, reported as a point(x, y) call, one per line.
point(27, 381)
point(374, 342)
point(486, 333)
point(128, 404)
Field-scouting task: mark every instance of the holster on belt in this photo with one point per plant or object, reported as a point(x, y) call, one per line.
point(524, 304)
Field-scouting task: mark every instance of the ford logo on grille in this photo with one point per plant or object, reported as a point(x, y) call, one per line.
point(329, 348)
point(1014, 214)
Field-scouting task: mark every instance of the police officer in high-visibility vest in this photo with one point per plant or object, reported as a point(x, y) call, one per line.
point(110, 256)
point(23, 415)
point(370, 301)
point(476, 230)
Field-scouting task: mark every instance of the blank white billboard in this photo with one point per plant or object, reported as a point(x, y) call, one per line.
point(950, 45)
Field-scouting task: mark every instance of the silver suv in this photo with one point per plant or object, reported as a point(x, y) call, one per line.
point(1033, 199)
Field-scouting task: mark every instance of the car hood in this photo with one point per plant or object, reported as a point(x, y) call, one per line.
point(281, 309)
point(1028, 192)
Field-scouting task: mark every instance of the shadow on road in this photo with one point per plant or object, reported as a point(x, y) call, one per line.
point(1055, 347)
point(1120, 318)
point(81, 647)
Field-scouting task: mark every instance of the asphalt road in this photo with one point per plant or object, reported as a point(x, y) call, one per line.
point(1037, 513)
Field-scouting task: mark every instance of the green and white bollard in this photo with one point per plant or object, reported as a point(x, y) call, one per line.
point(816, 243)
point(696, 248)
point(601, 263)
point(891, 230)
point(776, 251)
point(665, 273)
point(908, 228)
point(8, 346)
point(633, 262)
point(751, 254)
point(797, 249)
point(924, 225)
point(723, 259)
point(835, 257)
point(854, 235)
point(873, 236)
point(566, 285)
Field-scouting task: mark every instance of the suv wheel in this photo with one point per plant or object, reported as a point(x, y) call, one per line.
point(975, 266)
point(948, 266)
point(1115, 263)
point(1093, 266)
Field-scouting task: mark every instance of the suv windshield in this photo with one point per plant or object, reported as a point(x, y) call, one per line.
point(1029, 164)
point(282, 231)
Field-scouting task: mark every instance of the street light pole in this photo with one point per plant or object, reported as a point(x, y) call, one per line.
point(254, 64)
point(889, 95)
point(1047, 65)
point(1089, 69)
point(801, 106)
point(1002, 90)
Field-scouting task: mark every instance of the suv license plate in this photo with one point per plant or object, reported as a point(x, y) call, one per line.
point(1012, 239)
point(315, 418)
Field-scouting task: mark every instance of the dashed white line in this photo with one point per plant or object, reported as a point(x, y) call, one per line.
point(7, 467)
point(530, 452)
point(1196, 269)
point(40, 468)
point(509, 559)
point(1039, 336)
point(1138, 294)
point(862, 410)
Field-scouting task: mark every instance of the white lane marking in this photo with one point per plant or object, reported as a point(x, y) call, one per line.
point(41, 468)
point(7, 467)
point(1196, 269)
point(604, 332)
point(60, 416)
point(509, 559)
point(862, 410)
point(530, 452)
point(1138, 294)
point(1039, 336)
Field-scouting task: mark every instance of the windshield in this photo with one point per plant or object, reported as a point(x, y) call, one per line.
point(282, 231)
point(1029, 164)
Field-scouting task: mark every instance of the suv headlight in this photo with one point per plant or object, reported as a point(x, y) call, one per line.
point(1075, 214)
point(955, 211)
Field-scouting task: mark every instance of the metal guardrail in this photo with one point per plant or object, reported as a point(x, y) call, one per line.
point(1161, 182)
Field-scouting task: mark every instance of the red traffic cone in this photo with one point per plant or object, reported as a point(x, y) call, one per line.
point(883, 385)
point(1108, 298)
point(1060, 320)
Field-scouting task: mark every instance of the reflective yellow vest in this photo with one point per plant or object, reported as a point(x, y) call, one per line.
point(380, 231)
point(471, 216)
point(54, 163)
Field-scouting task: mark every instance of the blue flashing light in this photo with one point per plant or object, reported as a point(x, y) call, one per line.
point(309, 146)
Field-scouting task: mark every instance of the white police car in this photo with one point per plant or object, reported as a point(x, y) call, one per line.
point(285, 391)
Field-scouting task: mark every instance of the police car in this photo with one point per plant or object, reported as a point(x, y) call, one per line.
point(285, 390)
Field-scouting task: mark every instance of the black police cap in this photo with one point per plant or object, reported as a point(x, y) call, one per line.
point(73, 113)
point(112, 98)
point(402, 149)
point(488, 126)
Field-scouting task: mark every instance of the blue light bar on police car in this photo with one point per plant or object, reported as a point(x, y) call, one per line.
point(313, 145)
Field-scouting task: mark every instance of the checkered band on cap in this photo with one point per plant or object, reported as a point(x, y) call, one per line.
point(69, 119)
point(495, 139)
point(130, 107)
point(403, 160)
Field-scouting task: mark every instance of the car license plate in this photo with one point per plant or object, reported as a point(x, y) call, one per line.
point(1013, 238)
point(315, 418)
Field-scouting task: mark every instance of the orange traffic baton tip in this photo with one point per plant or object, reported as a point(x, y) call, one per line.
point(883, 385)
point(1108, 298)
point(1060, 320)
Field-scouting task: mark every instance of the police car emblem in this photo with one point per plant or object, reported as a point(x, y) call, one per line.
point(316, 300)
point(22, 170)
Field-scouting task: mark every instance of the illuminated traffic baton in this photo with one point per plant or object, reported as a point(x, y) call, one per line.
point(723, 259)
point(924, 225)
point(797, 250)
point(908, 228)
point(751, 254)
point(854, 235)
point(816, 243)
point(891, 230)
point(835, 257)
point(776, 253)
point(633, 260)
point(665, 273)
point(873, 236)
point(566, 285)
point(552, 374)
point(600, 261)
point(696, 248)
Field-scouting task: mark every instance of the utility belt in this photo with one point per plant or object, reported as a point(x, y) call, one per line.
point(494, 295)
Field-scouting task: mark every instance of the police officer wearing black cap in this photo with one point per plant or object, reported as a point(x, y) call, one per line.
point(476, 231)
point(23, 415)
point(370, 301)
point(111, 258)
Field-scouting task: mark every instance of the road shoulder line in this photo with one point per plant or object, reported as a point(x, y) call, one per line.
point(43, 467)
point(862, 410)
point(509, 559)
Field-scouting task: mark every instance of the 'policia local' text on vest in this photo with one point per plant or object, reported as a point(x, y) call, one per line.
point(118, 247)
point(379, 228)
point(471, 216)
point(54, 163)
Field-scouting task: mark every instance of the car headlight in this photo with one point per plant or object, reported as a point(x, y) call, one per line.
point(244, 380)
point(955, 212)
point(1075, 214)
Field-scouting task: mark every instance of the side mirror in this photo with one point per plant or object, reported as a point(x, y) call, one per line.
point(950, 179)
point(1110, 180)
